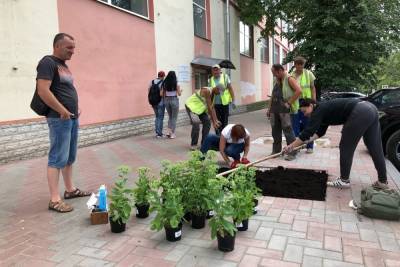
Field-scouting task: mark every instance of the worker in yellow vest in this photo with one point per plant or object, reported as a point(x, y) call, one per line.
point(199, 108)
point(222, 96)
point(283, 103)
point(306, 80)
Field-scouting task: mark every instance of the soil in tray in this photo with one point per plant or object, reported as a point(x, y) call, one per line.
point(291, 183)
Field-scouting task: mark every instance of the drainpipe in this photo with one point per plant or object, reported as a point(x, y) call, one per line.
point(228, 32)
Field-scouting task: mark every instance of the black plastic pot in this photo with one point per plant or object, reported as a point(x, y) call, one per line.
point(142, 211)
point(255, 200)
point(117, 226)
point(173, 234)
point(210, 214)
point(243, 225)
point(226, 243)
point(198, 222)
point(187, 216)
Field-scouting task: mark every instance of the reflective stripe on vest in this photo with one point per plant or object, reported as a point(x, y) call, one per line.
point(195, 104)
point(287, 93)
point(226, 97)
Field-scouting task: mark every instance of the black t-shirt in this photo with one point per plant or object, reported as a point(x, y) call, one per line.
point(332, 112)
point(62, 85)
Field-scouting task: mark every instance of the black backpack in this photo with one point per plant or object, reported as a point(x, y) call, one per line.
point(154, 93)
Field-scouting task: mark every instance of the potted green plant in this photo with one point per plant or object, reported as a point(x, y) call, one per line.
point(169, 210)
point(221, 224)
point(121, 201)
point(140, 193)
point(199, 194)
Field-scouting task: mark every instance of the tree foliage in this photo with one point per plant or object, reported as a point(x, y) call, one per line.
point(388, 71)
point(342, 40)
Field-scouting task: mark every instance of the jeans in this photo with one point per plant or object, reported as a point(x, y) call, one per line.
point(299, 123)
point(231, 150)
point(196, 120)
point(159, 111)
point(172, 107)
point(222, 112)
point(63, 142)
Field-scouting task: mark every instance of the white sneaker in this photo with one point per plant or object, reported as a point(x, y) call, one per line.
point(289, 157)
point(172, 136)
point(309, 151)
point(193, 148)
point(339, 183)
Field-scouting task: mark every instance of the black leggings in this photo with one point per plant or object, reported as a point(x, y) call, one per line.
point(222, 112)
point(362, 122)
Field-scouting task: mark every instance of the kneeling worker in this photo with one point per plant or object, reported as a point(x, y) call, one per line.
point(234, 140)
point(359, 119)
point(197, 106)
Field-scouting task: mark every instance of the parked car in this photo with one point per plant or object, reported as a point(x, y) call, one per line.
point(390, 127)
point(332, 95)
point(385, 98)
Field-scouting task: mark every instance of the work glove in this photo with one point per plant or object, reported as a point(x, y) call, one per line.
point(235, 163)
point(244, 161)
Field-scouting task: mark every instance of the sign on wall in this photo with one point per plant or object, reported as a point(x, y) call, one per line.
point(183, 73)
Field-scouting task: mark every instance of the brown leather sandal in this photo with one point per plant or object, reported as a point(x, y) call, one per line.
point(60, 206)
point(76, 193)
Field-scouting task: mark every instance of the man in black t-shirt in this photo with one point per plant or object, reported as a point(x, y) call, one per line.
point(55, 87)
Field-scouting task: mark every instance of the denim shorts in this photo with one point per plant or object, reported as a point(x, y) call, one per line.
point(63, 142)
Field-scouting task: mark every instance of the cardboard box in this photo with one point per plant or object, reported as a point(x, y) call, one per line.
point(99, 217)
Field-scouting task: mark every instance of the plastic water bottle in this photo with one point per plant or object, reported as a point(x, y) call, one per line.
point(103, 198)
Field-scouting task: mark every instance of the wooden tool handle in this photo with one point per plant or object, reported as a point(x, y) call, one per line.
point(260, 160)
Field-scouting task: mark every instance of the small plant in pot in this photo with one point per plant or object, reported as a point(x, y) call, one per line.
point(243, 190)
point(140, 193)
point(169, 210)
point(121, 201)
point(199, 192)
point(221, 224)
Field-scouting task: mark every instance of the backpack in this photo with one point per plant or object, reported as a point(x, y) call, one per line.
point(380, 204)
point(154, 96)
point(37, 104)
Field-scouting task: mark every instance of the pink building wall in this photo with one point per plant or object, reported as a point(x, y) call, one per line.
point(266, 78)
point(114, 60)
point(247, 75)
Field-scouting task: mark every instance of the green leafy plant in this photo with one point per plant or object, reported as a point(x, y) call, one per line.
point(169, 208)
point(142, 189)
point(222, 221)
point(200, 192)
point(243, 191)
point(121, 199)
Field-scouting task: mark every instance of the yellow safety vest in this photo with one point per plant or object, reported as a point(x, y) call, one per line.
point(305, 84)
point(196, 103)
point(226, 97)
point(287, 93)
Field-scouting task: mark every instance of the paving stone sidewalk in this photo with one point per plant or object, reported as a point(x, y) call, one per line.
point(285, 232)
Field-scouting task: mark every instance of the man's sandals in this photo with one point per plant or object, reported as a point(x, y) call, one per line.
point(61, 206)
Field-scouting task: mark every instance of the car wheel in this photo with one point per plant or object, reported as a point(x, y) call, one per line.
point(393, 149)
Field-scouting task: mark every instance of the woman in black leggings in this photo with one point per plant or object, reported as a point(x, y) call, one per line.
point(359, 119)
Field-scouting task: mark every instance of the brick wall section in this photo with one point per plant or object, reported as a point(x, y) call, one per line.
point(30, 139)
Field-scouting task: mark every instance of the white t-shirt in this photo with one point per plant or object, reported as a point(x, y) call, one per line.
point(226, 133)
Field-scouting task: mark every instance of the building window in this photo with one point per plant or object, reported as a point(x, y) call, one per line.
point(138, 7)
point(200, 18)
point(246, 39)
point(284, 55)
point(276, 54)
point(264, 50)
point(200, 78)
